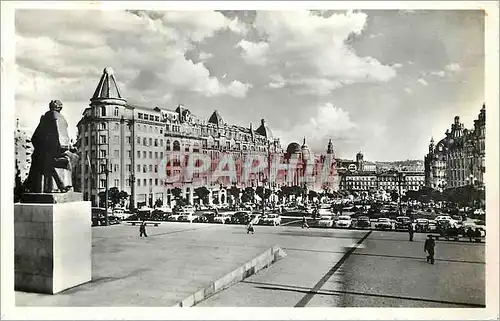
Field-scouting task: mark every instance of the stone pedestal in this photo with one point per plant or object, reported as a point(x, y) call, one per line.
point(53, 245)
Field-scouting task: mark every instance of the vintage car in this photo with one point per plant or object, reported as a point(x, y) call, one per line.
point(241, 217)
point(344, 221)
point(383, 224)
point(363, 221)
point(271, 219)
point(402, 222)
point(222, 218)
point(326, 221)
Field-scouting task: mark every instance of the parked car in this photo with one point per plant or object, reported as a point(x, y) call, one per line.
point(271, 219)
point(174, 217)
point(344, 221)
point(402, 222)
point(186, 217)
point(383, 224)
point(112, 220)
point(422, 225)
point(222, 218)
point(363, 221)
point(242, 217)
point(446, 218)
point(326, 221)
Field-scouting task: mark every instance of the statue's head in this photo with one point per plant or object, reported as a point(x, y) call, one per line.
point(55, 105)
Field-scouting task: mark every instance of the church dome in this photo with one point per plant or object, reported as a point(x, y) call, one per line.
point(264, 130)
point(306, 153)
point(293, 148)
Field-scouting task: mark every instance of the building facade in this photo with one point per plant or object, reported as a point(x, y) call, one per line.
point(23, 151)
point(459, 158)
point(362, 176)
point(123, 145)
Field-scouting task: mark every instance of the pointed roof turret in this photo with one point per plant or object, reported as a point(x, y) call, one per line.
point(107, 90)
point(216, 119)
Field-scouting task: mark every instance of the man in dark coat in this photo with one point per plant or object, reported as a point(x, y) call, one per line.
point(429, 248)
point(53, 158)
point(142, 229)
point(411, 231)
point(304, 222)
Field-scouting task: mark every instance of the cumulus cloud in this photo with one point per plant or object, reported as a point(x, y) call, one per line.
point(439, 73)
point(316, 46)
point(204, 55)
point(453, 67)
point(375, 35)
point(277, 82)
point(408, 90)
point(422, 82)
point(143, 47)
point(397, 65)
point(254, 53)
point(329, 121)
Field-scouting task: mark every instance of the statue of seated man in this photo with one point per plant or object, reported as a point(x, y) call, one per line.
point(53, 156)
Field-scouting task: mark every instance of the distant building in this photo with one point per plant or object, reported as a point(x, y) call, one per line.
point(23, 150)
point(363, 176)
point(458, 159)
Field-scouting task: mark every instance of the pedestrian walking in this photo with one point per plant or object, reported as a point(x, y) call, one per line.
point(304, 222)
point(411, 231)
point(142, 229)
point(429, 248)
point(250, 228)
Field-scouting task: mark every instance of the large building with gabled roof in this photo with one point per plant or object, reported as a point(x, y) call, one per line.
point(131, 141)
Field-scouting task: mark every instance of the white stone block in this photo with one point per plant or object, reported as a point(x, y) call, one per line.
point(52, 246)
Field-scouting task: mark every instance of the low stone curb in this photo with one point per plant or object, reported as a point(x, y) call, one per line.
point(246, 270)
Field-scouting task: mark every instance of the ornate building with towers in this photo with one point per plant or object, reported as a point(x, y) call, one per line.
point(459, 158)
point(122, 145)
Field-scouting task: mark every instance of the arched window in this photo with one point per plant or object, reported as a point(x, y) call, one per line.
point(167, 144)
point(103, 111)
point(177, 146)
point(116, 112)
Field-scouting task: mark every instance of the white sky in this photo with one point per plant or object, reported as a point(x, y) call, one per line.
point(378, 81)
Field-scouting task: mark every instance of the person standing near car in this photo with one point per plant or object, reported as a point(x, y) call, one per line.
point(142, 229)
point(304, 222)
point(250, 228)
point(411, 231)
point(429, 248)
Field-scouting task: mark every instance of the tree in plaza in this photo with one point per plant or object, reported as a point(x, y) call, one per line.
point(202, 193)
point(158, 203)
point(248, 195)
point(263, 193)
point(115, 197)
point(176, 193)
point(235, 192)
point(312, 194)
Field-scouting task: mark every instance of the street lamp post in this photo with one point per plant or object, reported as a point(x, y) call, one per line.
point(106, 193)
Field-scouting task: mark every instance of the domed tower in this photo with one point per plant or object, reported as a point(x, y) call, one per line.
point(359, 161)
point(306, 153)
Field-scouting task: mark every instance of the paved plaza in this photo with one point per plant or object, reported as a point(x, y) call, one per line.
point(322, 268)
